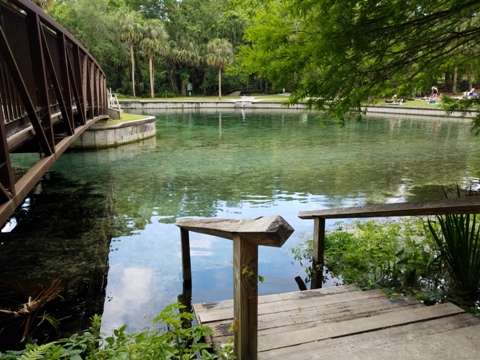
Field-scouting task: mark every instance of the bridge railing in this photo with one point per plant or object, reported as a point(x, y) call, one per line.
point(51, 89)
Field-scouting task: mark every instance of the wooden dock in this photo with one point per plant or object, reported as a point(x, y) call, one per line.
point(346, 323)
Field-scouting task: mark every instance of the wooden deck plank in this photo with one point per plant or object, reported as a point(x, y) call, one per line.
point(325, 331)
point(299, 318)
point(333, 348)
point(459, 344)
point(345, 321)
point(225, 304)
point(312, 325)
point(303, 300)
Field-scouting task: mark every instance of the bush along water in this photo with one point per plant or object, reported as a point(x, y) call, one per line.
point(171, 341)
point(426, 258)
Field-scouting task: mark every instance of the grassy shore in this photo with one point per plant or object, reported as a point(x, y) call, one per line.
point(227, 98)
point(124, 117)
point(278, 98)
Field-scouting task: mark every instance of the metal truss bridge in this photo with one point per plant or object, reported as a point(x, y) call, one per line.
point(51, 91)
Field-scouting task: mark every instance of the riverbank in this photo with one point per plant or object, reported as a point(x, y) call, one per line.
point(261, 102)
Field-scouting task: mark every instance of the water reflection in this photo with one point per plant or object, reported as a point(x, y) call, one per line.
point(238, 164)
point(63, 234)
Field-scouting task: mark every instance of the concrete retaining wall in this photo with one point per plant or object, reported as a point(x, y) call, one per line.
point(237, 104)
point(417, 111)
point(99, 136)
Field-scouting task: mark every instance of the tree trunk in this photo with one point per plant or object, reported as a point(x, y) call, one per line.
point(447, 82)
point(454, 86)
point(133, 69)
point(219, 83)
point(173, 79)
point(184, 88)
point(469, 76)
point(204, 83)
point(152, 81)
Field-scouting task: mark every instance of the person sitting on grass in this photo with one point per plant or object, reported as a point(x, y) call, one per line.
point(472, 94)
point(435, 99)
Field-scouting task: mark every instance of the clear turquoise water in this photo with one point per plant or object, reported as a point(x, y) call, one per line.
point(243, 164)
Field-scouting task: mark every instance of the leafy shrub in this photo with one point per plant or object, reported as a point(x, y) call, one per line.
point(373, 254)
point(174, 342)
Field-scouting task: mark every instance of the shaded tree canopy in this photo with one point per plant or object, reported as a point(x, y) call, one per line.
point(341, 54)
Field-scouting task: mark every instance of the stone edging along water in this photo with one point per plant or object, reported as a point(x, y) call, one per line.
point(99, 136)
point(402, 109)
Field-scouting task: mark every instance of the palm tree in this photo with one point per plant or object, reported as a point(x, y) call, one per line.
point(220, 54)
point(131, 32)
point(155, 41)
point(184, 54)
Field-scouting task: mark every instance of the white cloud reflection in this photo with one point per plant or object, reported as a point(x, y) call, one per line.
point(132, 287)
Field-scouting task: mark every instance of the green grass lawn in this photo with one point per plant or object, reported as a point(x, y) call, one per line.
point(279, 98)
point(227, 98)
point(409, 103)
point(124, 117)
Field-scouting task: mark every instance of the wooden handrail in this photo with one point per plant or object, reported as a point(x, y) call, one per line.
point(247, 235)
point(468, 205)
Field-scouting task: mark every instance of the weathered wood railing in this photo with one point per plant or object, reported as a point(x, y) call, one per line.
point(247, 235)
point(468, 205)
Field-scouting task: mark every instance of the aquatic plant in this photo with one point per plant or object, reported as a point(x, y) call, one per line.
point(373, 254)
point(458, 239)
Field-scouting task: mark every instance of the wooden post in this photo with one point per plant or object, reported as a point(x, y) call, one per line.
point(318, 252)
point(186, 263)
point(247, 235)
point(245, 299)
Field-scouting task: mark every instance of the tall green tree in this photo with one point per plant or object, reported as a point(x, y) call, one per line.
point(219, 54)
point(43, 4)
point(183, 55)
point(340, 54)
point(191, 25)
point(131, 32)
point(94, 23)
point(155, 41)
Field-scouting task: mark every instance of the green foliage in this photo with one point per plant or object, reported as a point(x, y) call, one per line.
point(342, 54)
point(395, 256)
point(93, 23)
point(433, 259)
point(381, 255)
point(465, 106)
point(172, 341)
point(458, 238)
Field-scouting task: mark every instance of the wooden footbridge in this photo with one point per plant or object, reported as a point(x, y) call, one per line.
point(332, 323)
point(51, 91)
